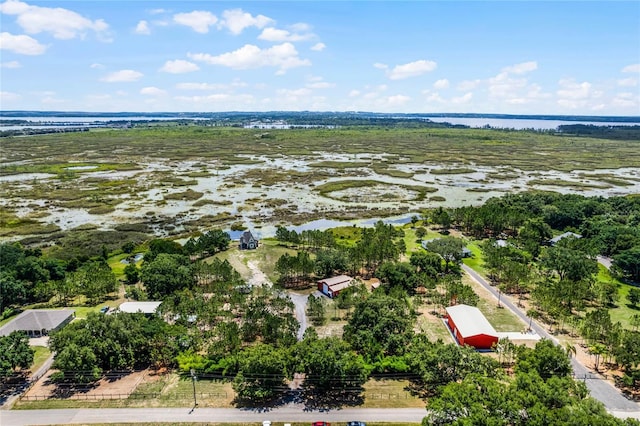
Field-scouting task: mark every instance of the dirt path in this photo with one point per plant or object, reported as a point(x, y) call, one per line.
point(258, 278)
point(300, 301)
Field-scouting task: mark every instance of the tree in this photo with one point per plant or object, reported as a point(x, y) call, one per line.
point(597, 350)
point(166, 274)
point(316, 310)
point(441, 217)
point(533, 235)
point(402, 275)
point(330, 365)
point(379, 326)
point(96, 280)
point(131, 273)
point(450, 248)
point(634, 296)
point(15, 352)
point(627, 263)
point(76, 364)
point(262, 372)
point(546, 360)
point(12, 291)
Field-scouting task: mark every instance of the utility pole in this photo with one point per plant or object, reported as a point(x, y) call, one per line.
point(193, 379)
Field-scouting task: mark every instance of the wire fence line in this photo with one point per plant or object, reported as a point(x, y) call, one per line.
point(133, 396)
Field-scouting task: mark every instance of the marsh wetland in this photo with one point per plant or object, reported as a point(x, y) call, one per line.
point(180, 180)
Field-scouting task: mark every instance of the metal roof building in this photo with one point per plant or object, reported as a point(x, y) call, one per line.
point(471, 327)
point(38, 322)
point(139, 307)
point(334, 285)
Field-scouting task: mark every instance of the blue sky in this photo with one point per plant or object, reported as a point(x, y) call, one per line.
point(384, 56)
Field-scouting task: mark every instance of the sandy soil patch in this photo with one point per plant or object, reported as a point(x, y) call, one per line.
point(112, 386)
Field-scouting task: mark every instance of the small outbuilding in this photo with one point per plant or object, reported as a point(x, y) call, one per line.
point(38, 322)
point(556, 240)
point(334, 285)
point(471, 327)
point(248, 241)
point(147, 308)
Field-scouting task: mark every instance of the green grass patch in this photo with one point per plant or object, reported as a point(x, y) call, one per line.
point(623, 311)
point(476, 261)
point(328, 188)
point(339, 164)
point(452, 171)
point(566, 184)
point(41, 354)
point(189, 194)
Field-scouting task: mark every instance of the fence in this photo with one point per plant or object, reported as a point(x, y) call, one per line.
point(133, 396)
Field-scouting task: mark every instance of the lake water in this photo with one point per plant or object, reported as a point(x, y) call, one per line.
point(519, 124)
point(504, 123)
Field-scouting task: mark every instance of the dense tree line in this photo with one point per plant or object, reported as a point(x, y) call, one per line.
point(15, 353)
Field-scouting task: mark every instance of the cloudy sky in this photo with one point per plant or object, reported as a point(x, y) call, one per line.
point(385, 56)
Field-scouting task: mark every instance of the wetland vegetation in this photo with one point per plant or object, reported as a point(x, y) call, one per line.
point(177, 179)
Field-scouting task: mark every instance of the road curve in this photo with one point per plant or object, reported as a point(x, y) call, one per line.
point(599, 388)
point(293, 413)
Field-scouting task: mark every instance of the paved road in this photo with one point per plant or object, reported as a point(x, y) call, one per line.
point(599, 388)
point(133, 415)
point(605, 261)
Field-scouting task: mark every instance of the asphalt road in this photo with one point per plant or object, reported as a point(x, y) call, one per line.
point(136, 415)
point(599, 388)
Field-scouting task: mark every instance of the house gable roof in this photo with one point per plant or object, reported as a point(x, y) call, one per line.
point(139, 307)
point(554, 240)
point(246, 237)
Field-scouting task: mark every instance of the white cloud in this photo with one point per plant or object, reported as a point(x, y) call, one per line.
point(236, 20)
point(467, 85)
point(397, 100)
point(628, 82)
point(282, 56)
point(122, 76)
point(466, 98)
point(200, 86)
point(441, 84)
point(631, 68)
point(179, 66)
point(320, 85)
point(412, 69)
point(198, 20)
point(381, 66)
point(22, 44)
point(143, 28)
point(10, 64)
point(570, 89)
point(625, 100)
point(157, 11)
point(9, 96)
point(62, 23)
point(152, 91)
point(354, 93)
point(227, 99)
point(294, 92)
point(318, 47)
point(277, 35)
point(521, 68)
point(96, 66)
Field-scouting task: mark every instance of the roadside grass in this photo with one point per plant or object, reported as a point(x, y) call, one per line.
point(476, 261)
point(39, 357)
point(502, 319)
point(389, 394)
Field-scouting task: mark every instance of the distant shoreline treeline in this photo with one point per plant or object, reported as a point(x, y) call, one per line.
point(279, 115)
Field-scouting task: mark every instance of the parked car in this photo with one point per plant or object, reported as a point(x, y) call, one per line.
point(266, 423)
point(356, 424)
point(104, 309)
point(320, 424)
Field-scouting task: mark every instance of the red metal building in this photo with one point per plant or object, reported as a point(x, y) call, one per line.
point(471, 327)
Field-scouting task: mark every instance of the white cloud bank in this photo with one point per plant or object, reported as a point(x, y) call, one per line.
point(122, 76)
point(411, 69)
point(62, 23)
point(198, 20)
point(179, 66)
point(236, 20)
point(22, 44)
point(282, 56)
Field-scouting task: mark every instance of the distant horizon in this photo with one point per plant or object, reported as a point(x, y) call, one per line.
point(516, 58)
point(52, 113)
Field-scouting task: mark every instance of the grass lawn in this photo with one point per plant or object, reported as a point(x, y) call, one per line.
point(265, 257)
point(476, 261)
point(502, 319)
point(389, 394)
point(623, 311)
point(39, 357)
